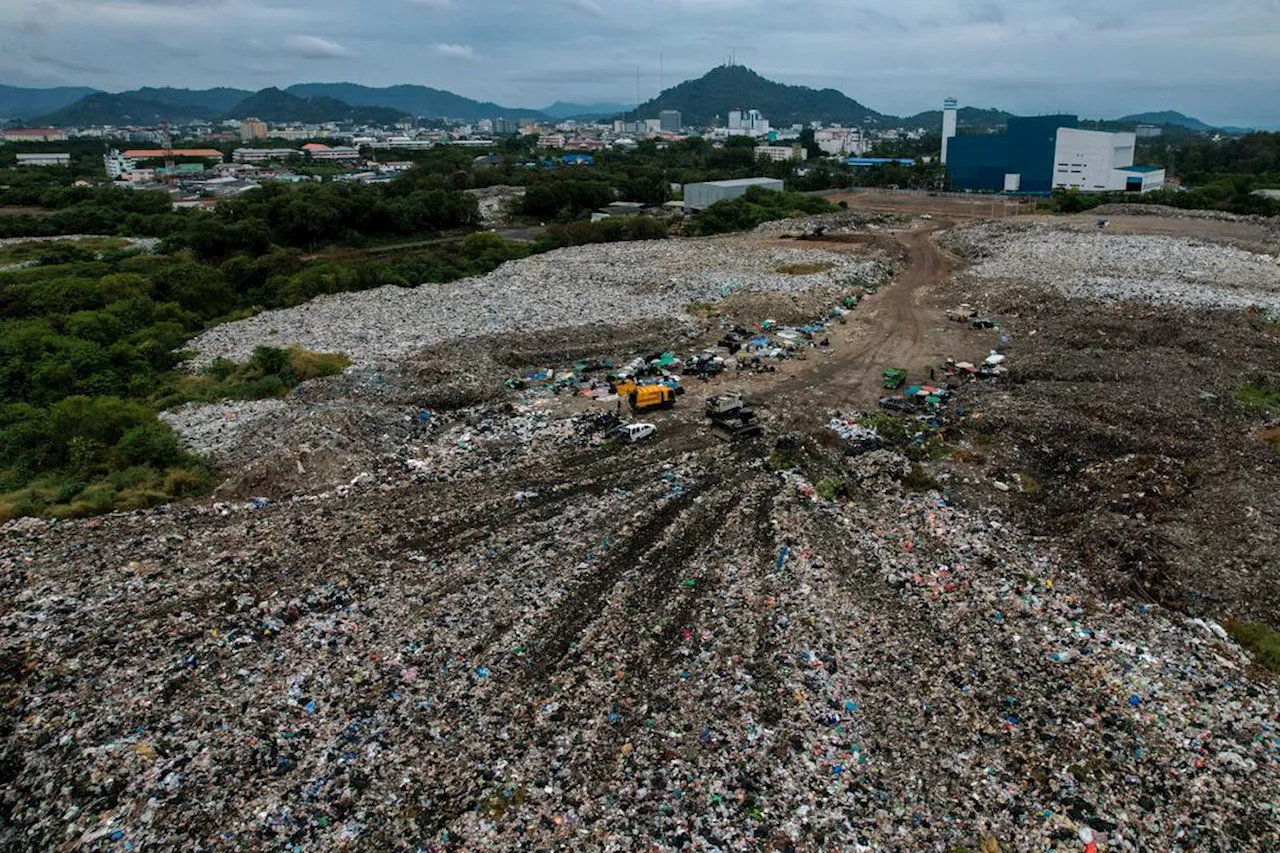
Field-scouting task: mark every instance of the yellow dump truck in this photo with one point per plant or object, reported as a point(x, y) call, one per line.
point(646, 397)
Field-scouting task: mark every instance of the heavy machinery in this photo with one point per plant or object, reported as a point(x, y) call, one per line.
point(646, 397)
point(731, 418)
point(894, 377)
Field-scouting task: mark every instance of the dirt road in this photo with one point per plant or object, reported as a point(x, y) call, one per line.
point(902, 325)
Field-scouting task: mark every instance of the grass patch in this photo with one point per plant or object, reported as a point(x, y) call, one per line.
point(805, 269)
point(830, 487)
point(1262, 642)
point(1260, 396)
point(781, 459)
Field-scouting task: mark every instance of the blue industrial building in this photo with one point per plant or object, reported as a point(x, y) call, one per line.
point(1025, 149)
point(1040, 154)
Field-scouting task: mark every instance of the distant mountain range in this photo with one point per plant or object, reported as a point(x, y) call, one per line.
point(967, 118)
point(417, 101)
point(1167, 117)
point(19, 102)
point(276, 105)
point(733, 87)
point(700, 102)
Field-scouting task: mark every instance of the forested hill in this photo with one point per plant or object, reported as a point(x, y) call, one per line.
point(733, 87)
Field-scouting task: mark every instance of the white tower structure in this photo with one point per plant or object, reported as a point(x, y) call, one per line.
point(948, 124)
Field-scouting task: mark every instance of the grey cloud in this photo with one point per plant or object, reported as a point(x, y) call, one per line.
point(66, 64)
point(314, 47)
point(586, 7)
point(1209, 60)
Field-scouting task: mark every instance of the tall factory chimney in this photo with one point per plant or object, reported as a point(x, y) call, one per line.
point(948, 124)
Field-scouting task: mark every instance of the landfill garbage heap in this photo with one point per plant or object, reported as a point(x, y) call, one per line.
point(688, 651)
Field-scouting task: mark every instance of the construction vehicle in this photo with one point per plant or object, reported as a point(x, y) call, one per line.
point(646, 397)
point(731, 418)
point(894, 377)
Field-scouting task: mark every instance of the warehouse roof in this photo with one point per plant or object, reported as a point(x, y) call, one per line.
point(156, 153)
point(743, 182)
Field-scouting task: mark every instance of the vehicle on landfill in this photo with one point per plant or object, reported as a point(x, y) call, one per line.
point(926, 216)
point(634, 432)
point(647, 397)
point(731, 418)
point(898, 403)
point(894, 377)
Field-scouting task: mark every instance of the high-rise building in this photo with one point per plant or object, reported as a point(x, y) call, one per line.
point(669, 121)
point(252, 128)
point(948, 124)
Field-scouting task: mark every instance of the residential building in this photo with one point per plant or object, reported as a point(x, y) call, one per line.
point(34, 134)
point(44, 159)
point(252, 128)
point(1042, 153)
point(504, 125)
point(782, 153)
point(703, 195)
point(117, 164)
point(748, 123)
point(669, 121)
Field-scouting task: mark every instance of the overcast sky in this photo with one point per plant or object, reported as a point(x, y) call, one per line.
point(1218, 60)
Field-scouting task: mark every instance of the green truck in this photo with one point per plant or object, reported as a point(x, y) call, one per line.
point(894, 377)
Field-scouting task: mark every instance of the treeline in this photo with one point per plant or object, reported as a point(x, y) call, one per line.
point(89, 352)
point(306, 216)
point(1217, 196)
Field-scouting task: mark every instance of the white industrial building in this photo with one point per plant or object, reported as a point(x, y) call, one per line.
point(262, 155)
point(841, 141)
point(949, 114)
point(44, 159)
point(703, 195)
point(1098, 161)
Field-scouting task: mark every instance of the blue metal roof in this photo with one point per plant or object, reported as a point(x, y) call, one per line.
point(880, 161)
point(1143, 169)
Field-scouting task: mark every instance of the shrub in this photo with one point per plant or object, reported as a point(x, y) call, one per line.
point(1262, 642)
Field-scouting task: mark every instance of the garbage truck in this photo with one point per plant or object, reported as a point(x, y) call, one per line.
point(646, 397)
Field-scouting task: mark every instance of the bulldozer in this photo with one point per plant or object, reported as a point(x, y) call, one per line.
point(645, 397)
point(731, 418)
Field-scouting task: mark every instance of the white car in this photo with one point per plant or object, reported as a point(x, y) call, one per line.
point(635, 432)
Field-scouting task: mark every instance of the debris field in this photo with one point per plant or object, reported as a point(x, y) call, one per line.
point(432, 612)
